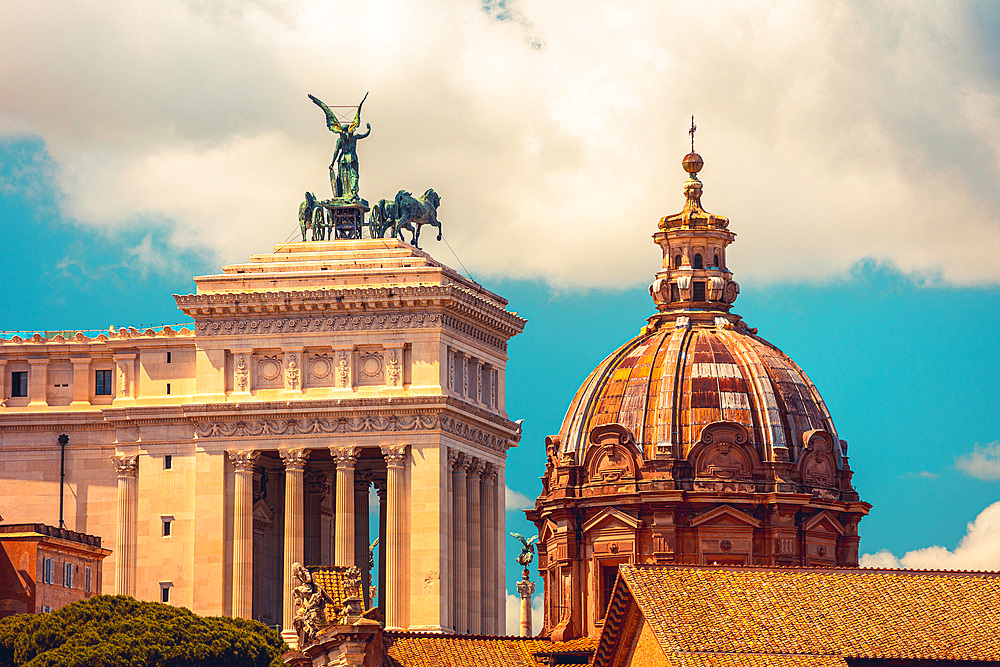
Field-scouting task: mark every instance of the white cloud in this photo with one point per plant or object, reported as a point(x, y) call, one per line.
point(515, 501)
point(983, 462)
point(978, 550)
point(514, 614)
point(922, 474)
point(831, 131)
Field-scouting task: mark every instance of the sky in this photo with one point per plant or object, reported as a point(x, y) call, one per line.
point(855, 146)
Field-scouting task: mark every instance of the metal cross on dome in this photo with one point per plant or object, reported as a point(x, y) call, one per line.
point(691, 132)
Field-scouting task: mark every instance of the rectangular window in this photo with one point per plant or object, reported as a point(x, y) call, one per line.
point(609, 573)
point(699, 290)
point(19, 383)
point(168, 357)
point(165, 593)
point(168, 387)
point(102, 383)
point(48, 573)
point(675, 293)
point(166, 527)
point(168, 462)
point(87, 579)
point(68, 575)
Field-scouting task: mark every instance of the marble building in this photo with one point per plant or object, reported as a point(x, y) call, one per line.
point(210, 458)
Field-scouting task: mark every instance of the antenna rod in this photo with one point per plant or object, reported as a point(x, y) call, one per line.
point(63, 439)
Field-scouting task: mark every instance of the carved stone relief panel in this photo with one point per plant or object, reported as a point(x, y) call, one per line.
point(269, 371)
point(293, 371)
point(370, 366)
point(322, 370)
point(344, 364)
point(394, 367)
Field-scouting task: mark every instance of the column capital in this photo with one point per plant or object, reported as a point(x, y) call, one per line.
point(363, 479)
point(395, 455)
point(458, 461)
point(475, 466)
point(295, 459)
point(126, 466)
point(318, 482)
point(345, 457)
point(489, 474)
point(245, 460)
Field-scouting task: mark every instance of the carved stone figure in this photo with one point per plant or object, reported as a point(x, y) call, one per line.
point(310, 606)
point(242, 376)
point(412, 213)
point(344, 166)
point(292, 373)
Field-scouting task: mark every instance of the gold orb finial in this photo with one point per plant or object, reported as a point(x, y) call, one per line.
point(692, 162)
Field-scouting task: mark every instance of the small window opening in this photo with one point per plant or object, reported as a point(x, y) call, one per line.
point(168, 462)
point(168, 387)
point(677, 261)
point(675, 293)
point(165, 593)
point(609, 573)
point(715, 261)
point(166, 527)
point(87, 579)
point(168, 357)
point(698, 291)
point(699, 263)
point(68, 575)
point(19, 383)
point(102, 383)
point(47, 571)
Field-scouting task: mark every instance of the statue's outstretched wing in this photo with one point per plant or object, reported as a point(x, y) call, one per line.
point(373, 544)
point(357, 116)
point(331, 118)
point(519, 538)
point(531, 540)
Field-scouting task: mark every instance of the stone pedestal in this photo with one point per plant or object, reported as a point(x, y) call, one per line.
point(525, 589)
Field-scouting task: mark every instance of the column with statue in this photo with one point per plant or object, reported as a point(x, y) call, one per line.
point(525, 587)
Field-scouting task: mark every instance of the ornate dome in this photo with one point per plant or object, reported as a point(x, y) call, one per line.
point(667, 385)
point(696, 442)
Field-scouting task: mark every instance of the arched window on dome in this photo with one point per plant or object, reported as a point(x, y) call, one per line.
point(677, 261)
point(699, 263)
point(715, 261)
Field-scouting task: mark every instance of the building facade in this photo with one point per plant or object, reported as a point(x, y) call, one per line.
point(43, 568)
point(212, 457)
point(695, 442)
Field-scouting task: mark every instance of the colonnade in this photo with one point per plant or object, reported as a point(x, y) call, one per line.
point(470, 524)
point(477, 604)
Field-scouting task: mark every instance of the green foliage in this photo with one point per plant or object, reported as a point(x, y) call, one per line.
point(118, 630)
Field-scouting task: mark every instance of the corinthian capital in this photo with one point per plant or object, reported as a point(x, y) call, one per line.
point(244, 461)
point(475, 466)
point(345, 457)
point(395, 455)
point(489, 474)
point(126, 466)
point(295, 459)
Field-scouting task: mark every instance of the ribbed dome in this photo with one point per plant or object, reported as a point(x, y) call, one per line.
point(667, 385)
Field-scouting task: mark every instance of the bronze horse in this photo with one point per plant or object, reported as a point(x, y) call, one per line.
point(414, 212)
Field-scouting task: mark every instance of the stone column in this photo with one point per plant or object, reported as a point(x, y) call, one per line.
point(397, 572)
point(343, 549)
point(487, 495)
point(295, 465)
point(473, 535)
point(500, 543)
point(243, 463)
point(525, 589)
point(382, 516)
point(461, 548)
point(362, 481)
point(125, 561)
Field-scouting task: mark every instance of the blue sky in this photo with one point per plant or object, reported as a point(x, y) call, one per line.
point(854, 145)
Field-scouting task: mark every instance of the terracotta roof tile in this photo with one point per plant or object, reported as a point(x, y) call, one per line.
point(889, 614)
point(403, 649)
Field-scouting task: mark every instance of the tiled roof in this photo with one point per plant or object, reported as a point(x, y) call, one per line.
point(887, 614)
point(405, 649)
point(582, 645)
point(744, 660)
point(337, 581)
